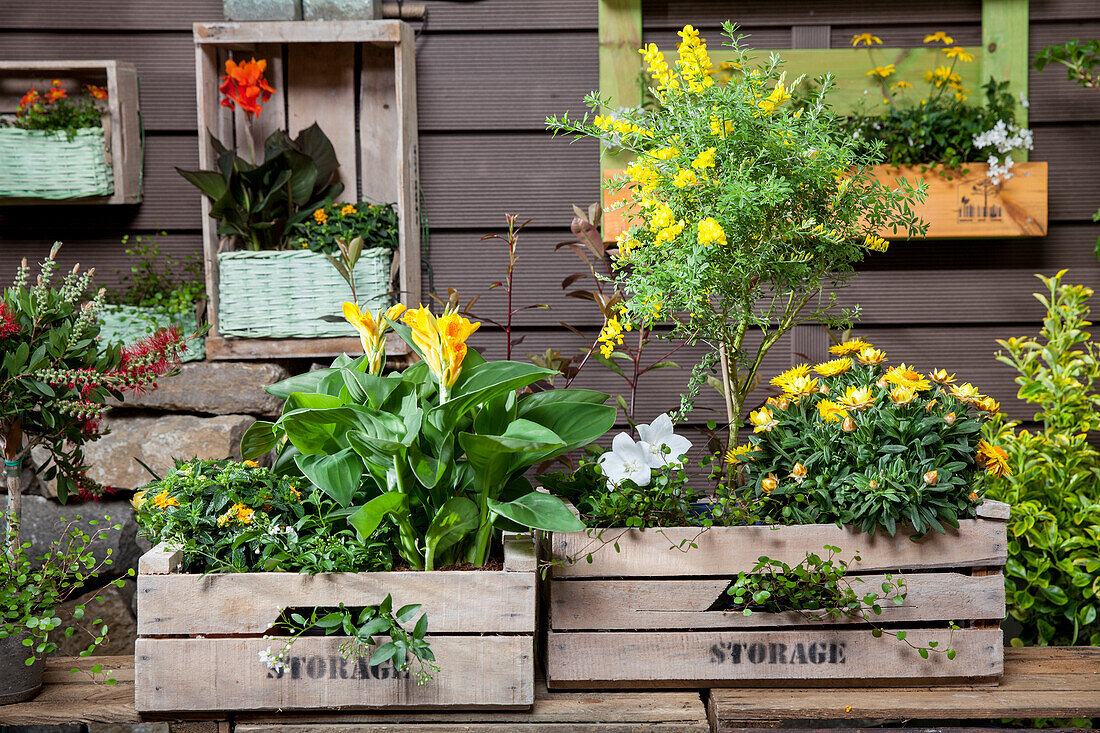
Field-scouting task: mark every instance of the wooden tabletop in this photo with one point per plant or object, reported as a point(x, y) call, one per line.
point(1039, 682)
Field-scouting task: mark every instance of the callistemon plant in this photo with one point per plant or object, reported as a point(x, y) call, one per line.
point(854, 441)
point(56, 376)
point(743, 207)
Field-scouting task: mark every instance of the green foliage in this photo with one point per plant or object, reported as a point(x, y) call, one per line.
point(1052, 577)
point(157, 280)
point(939, 130)
point(31, 590)
point(444, 471)
point(881, 448)
point(1080, 59)
point(746, 207)
point(231, 517)
point(261, 204)
point(375, 224)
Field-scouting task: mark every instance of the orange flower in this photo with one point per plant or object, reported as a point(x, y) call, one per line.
point(29, 99)
point(97, 92)
point(56, 91)
point(244, 84)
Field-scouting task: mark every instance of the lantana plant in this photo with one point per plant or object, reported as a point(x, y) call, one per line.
point(854, 442)
point(743, 208)
point(56, 377)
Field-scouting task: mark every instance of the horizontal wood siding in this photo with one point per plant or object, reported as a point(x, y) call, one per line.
point(490, 72)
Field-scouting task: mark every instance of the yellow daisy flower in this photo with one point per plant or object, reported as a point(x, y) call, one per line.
point(939, 36)
point(958, 52)
point(866, 39)
point(882, 71)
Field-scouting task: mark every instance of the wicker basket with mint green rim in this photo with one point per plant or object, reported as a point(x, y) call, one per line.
point(126, 324)
point(54, 165)
point(294, 294)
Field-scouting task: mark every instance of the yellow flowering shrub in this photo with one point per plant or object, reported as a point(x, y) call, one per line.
point(744, 207)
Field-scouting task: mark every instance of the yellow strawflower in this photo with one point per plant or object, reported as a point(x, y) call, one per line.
point(763, 420)
point(851, 346)
point(830, 411)
point(795, 372)
point(994, 458)
point(834, 367)
point(858, 398)
point(769, 484)
point(736, 455)
point(871, 356)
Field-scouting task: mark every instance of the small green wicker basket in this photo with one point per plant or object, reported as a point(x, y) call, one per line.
point(52, 165)
point(125, 324)
point(294, 294)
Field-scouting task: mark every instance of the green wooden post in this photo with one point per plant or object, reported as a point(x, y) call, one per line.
point(1004, 42)
point(620, 34)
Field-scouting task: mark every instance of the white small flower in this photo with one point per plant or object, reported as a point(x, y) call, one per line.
point(659, 435)
point(626, 460)
point(1023, 101)
point(272, 661)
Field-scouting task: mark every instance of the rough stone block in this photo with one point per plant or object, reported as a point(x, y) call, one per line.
point(262, 9)
point(116, 614)
point(215, 388)
point(342, 9)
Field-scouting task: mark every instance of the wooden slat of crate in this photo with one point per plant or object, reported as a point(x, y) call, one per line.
point(122, 126)
point(320, 86)
point(475, 671)
point(725, 551)
point(250, 603)
point(682, 604)
point(1022, 202)
point(553, 712)
point(805, 657)
point(1038, 682)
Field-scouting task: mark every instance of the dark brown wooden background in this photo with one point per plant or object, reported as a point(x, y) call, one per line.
point(489, 72)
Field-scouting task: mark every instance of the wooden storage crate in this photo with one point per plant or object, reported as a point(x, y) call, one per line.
point(121, 124)
point(641, 618)
point(357, 80)
point(957, 207)
point(199, 638)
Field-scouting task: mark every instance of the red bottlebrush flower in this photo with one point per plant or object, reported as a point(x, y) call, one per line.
point(96, 92)
point(8, 326)
point(244, 85)
point(152, 357)
point(29, 99)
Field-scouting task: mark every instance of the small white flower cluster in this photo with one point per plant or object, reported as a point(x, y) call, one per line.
point(273, 661)
point(658, 447)
point(1004, 138)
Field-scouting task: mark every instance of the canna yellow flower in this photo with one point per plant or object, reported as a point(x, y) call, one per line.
point(830, 411)
point(163, 501)
point(347, 209)
point(442, 343)
point(857, 398)
point(876, 243)
point(763, 420)
point(372, 331)
point(958, 52)
point(882, 71)
point(939, 36)
point(710, 232)
point(320, 216)
point(866, 39)
point(871, 355)
point(851, 346)
point(994, 458)
point(769, 484)
point(834, 367)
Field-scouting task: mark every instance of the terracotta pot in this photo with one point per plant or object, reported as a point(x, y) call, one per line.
point(18, 682)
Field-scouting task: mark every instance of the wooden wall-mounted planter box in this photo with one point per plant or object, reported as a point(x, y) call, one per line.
point(121, 123)
point(957, 207)
point(640, 618)
point(357, 80)
point(199, 638)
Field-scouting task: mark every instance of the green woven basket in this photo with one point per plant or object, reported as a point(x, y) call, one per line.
point(294, 294)
point(51, 165)
point(125, 324)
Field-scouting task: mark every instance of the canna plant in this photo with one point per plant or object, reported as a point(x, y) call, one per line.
point(440, 449)
point(747, 208)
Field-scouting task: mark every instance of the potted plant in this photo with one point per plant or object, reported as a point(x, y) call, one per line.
point(54, 148)
point(407, 481)
point(157, 293)
point(32, 590)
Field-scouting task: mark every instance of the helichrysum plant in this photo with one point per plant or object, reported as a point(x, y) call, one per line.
point(1052, 577)
point(745, 207)
point(935, 121)
point(854, 442)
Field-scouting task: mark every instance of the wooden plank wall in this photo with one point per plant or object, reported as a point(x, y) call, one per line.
point(489, 72)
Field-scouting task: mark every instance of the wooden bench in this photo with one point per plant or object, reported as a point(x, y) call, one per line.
point(1042, 682)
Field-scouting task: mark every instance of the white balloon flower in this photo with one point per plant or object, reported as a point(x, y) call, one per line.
point(626, 460)
point(657, 436)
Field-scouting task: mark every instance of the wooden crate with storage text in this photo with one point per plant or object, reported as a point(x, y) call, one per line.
point(647, 610)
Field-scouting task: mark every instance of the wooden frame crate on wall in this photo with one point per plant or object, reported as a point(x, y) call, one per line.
point(121, 123)
point(357, 80)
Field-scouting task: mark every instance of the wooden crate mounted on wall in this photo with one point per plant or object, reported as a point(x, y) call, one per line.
point(639, 614)
point(121, 124)
point(357, 80)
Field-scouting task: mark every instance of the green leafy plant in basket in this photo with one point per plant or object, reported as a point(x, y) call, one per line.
point(260, 204)
point(440, 448)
